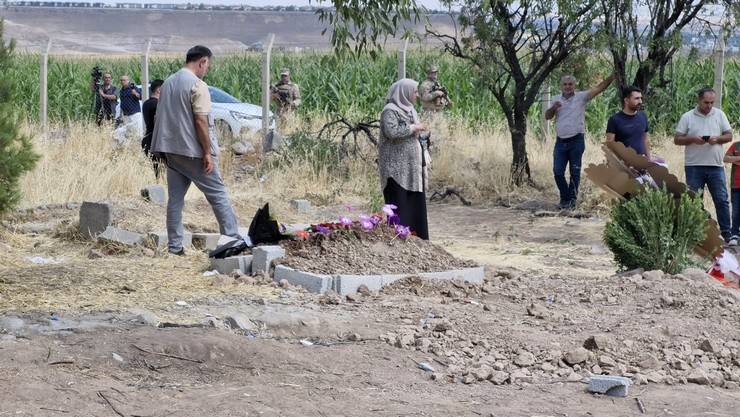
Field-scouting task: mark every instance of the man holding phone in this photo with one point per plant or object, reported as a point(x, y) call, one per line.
point(703, 131)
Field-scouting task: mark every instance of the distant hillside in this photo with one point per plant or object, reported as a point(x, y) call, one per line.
point(126, 31)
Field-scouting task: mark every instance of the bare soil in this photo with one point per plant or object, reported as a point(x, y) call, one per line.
point(550, 287)
point(376, 252)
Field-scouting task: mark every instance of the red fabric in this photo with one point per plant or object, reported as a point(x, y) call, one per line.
point(735, 172)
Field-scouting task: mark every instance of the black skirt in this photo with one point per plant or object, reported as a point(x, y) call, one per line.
point(412, 207)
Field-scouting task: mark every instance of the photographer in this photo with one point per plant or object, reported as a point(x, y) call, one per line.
point(131, 119)
point(105, 96)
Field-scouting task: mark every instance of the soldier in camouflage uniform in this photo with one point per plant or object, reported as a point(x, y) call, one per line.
point(285, 94)
point(433, 96)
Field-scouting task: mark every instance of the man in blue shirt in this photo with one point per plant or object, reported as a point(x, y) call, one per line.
point(630, 125)
point(131, 122)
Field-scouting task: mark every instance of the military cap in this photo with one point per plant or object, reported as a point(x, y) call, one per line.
point(433, 68)
point(284, 71)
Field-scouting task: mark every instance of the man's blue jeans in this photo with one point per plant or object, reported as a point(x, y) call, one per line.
point(735, 211)
point(568, 152)
point(714, 178)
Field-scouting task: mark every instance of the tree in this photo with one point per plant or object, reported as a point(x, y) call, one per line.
point(649, 31)
point(16, 150)
point(515, 45)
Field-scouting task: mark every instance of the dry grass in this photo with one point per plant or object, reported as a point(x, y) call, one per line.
point(110, 283)
point(80, 162)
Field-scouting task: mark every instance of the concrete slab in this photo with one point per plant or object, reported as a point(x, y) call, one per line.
point(159, 239)
point(348, 284)
point(95, 218)
point(228, 265)
point(206, 241)
point(315, 283)
point(264, 255)
point(302, 206)
point(155, 193)
point(116, 235)
point(614, 386)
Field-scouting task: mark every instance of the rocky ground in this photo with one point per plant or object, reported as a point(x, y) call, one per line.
point(551, 313)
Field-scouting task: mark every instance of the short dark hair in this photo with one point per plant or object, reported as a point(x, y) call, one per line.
point(154, 85)
point(627, 91)
point(197, 52)
point(702, 91)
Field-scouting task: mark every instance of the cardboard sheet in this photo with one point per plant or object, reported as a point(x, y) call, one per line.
point(618, 178)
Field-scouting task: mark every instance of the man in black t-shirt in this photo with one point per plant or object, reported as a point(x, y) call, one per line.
point(149, 111)
point(630, 125)
point(106, 96)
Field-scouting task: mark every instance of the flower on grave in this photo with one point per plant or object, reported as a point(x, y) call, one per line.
point(345, 221)
point(402, 231)
point(389, 209)
point(376, 219)
point(302, 234)
point(366, 222)
point(322, 229)
point(393, 220)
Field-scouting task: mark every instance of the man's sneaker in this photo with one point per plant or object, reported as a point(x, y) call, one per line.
point(180, 252)
point(733, 240)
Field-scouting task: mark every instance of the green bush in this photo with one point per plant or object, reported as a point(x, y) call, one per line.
point(16, 150)
point(654, 230)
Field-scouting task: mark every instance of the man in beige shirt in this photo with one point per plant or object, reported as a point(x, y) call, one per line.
point(184, 134)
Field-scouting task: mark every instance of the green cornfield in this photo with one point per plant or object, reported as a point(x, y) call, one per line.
point(357, 87)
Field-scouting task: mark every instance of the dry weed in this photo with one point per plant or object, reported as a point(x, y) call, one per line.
point(80, 162)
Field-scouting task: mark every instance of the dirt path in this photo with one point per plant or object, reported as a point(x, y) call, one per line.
point(550, 286)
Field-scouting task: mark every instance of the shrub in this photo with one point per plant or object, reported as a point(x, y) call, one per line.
point(654, 230)
point(16, 150)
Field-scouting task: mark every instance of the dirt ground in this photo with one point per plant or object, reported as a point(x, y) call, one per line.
point(81, 341)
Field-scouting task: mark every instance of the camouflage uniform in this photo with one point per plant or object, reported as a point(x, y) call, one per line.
point(431, 101)
point(292, 95)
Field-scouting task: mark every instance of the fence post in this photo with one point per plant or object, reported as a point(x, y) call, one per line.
point(266, 56)
point(43, 87)
point(719, 67)
point(145, 71)
point(545, 103)
point(402, 60)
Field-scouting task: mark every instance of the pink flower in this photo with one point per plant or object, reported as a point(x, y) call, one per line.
point(389, 209)
point(402, 231)
point(345, 221)
point(322, 229)
point(366, 222)
point(376, 219)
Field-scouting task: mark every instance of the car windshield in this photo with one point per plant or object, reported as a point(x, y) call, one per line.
point(221, 96)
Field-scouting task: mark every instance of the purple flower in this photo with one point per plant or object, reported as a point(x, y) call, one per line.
point(393, 219)
point(323, 230)
point(366, 222)
point(389, 209)
point(345, 221)
point(376, 219)
point(402, 231)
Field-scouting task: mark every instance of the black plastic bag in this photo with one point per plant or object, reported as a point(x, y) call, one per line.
point(232, 248)
point(265, 229)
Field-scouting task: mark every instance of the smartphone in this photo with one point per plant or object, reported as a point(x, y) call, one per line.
point(706, 138)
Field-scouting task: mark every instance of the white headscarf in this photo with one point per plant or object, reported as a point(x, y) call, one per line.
point(399, 99)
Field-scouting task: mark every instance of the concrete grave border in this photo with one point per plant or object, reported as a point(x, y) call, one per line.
point(347, 284)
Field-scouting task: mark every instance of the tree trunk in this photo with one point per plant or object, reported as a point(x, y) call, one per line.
point(520, 171)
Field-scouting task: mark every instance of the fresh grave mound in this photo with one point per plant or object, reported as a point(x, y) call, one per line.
point(360, 252)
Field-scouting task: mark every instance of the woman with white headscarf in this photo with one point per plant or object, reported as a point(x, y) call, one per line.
point(402, 158)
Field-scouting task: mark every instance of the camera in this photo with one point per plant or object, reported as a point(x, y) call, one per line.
point(97, 74)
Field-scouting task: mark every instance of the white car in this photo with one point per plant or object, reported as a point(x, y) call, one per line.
point(238, 116)
point(231, 115)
